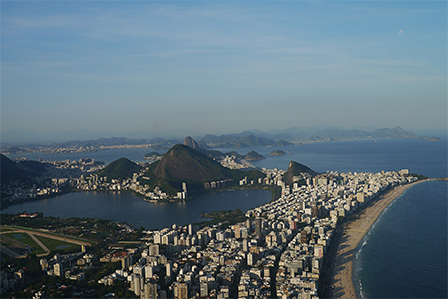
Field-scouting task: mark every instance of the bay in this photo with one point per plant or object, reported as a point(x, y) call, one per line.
point(126, 207)
point(363, 155)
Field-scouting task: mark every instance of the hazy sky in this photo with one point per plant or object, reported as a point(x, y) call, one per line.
point(214, 67)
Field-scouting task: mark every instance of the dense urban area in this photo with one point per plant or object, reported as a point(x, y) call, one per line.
point(277, 250)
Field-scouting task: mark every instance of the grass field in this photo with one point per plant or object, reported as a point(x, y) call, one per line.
point(25, 239)
point(56, 245)
point(12, 228)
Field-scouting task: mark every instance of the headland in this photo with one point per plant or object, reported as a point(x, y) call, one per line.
point(353, 233)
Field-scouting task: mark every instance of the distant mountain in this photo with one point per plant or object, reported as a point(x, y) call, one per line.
point(12, 172)
point(14, 150)
point(26, 137)
point(396, 132)
point(277, 153)
point(244, 139)
point(23, 174)
point(152, 154)
point(120, 169)
point(294, 169)
point(184, 164)
point(241, 140)
point(191, 142)
point(250, 156)
point(103, 142)
point(323, 133)
point(203, 145)
point(283, 137)
point(160, 144)
point(253, 156)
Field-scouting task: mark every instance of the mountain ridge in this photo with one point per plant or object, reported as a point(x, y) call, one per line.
point(248, 138)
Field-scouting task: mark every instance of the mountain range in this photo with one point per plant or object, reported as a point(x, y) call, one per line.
point(244, 139)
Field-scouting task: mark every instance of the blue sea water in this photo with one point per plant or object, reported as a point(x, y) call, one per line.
point(405, 253)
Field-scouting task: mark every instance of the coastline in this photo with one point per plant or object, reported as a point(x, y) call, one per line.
point(342, 284)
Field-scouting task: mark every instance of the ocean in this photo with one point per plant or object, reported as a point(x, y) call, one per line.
point(405, 253)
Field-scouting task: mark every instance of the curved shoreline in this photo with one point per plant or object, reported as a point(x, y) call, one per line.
point(342, 285)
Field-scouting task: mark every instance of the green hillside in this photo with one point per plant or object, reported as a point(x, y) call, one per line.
point(184, 164)
point(120, 169)
point(15, 172)
point(278, 153)
point(294, 169)
point(253, 156)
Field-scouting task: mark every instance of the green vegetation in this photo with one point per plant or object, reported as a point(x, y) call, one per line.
point(252, 175)
point(419, 176)
point(294, 169)
point(226, 218)
point(13, 172)
point(194, 167)
point(148, 155)
point(100, 232)
point(282, 143)
point(57, 245)
point(253, 156)
point(184, 164)
point(25, 239)
point(278, 153)
point(120, 169)
point(250, 156)
point(60, 287)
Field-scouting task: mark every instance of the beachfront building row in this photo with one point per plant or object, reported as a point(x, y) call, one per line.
point(277, 251)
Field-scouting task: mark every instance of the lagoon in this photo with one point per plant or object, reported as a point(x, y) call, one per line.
point(127, 207)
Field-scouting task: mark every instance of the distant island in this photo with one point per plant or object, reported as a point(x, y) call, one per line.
point(430, 138)
point(277, 153)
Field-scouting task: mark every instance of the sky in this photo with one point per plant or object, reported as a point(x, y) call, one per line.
point(222, 66)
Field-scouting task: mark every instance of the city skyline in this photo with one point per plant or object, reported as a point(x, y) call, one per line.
point(222, 67)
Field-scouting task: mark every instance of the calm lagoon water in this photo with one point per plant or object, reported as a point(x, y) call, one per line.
point(126, 207)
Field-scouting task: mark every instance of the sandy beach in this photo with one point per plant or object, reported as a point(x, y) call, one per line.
point(354, 232)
